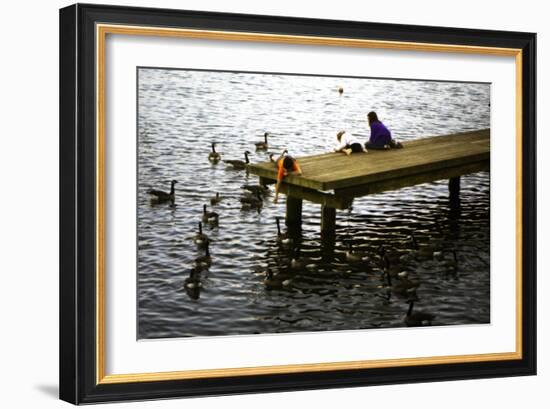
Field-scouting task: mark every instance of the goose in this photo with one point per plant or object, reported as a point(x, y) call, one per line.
point(452, 263)
point(193, 293)
point(252, 202)
point(216, 199)
point(296, 262)
point(201, 239)
point(446, 263)
point(282, 238)
point(438, 255)
point(403, 277)
point(353, 256)
point(193, 281)
point(397, 256)
point(392, 268)
point(262, 145)
point(417, 318)
point(406, 256)
point(402, 287)
point(276, 282)
point(386, 295)
point(299, 263)
point(422, 250)
point(271, 155)
point(340, 90)
point(264, 190)
point(239, 164)
point(205, 260)
point(214, 156)
point(393, 257)
point(209, 217)
point(161, 196)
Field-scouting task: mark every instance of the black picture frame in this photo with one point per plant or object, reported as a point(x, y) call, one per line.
point(78, 356)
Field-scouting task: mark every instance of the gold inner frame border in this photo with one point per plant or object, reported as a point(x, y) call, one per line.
point(102, 30)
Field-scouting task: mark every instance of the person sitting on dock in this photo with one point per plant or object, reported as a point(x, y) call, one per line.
point(380, 136)
point(348, 144)
point(286, 165)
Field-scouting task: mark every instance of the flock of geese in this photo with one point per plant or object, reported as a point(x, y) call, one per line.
point(237, 164)
point(396, 277)
point(396, 280)
point(252, 198)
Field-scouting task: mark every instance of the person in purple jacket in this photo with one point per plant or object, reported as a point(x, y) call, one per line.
point(380, 136)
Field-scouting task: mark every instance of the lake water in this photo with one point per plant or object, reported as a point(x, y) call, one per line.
point(181, 112)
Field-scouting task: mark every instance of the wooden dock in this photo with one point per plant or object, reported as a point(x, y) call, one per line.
point(333, 180)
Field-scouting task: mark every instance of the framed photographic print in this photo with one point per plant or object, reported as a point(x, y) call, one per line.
point(258, 203)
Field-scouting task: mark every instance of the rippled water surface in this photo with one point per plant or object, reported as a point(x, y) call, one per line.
point(180, 112)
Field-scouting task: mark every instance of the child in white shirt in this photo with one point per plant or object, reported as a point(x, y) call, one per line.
point(348, 144)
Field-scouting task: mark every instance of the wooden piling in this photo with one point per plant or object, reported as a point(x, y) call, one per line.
point(293, 212)
point(328, 220)
point(454, 189)
point(328, 231)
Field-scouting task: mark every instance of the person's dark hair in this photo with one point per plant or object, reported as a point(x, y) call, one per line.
point(372, 117)
point(288, 163)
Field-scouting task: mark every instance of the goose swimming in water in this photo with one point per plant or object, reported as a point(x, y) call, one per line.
point(355, 257)
point(422, 250)
point(404, 281)
point(453, 264)
point(254, 201)
point(214, 156)
point(216, 199)
point(276, 282)
point(299, 263)
point(402, 287)
point(161, 196)
point(417, 318)
point(209, 217)
point(445, 262)
point(393, 257)
point(396, 256)
point(193, 281)
point(264, 190)
point(205, 260)
point(282, 238)
point(239, 164)
point(201, 239)
point(392, 268)
point(262, 145)
point(296, 262)
point(450, 263)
